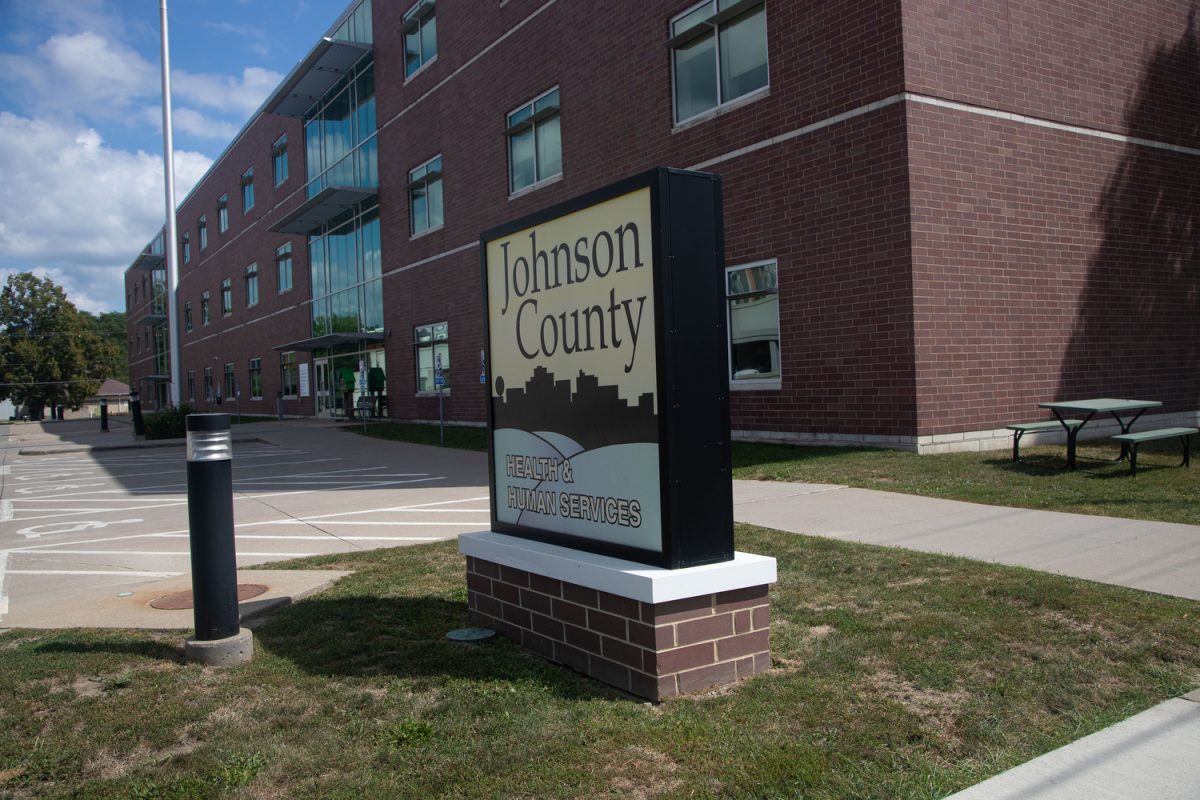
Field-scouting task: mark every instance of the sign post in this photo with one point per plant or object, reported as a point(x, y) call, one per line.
point(608, 434)
point(439, 380)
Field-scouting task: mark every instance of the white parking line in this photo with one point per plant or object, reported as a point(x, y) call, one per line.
point(312, 537)
point(130, 572)
point(163, 553)
point(304, 521)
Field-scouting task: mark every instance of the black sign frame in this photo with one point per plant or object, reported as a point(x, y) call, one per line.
point(691, 341)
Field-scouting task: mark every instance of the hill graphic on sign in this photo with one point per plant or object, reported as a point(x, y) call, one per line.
point(592, 415)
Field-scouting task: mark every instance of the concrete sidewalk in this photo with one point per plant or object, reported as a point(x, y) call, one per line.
point(1150, 755)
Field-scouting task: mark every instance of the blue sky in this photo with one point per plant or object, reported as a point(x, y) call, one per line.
point(81, 120)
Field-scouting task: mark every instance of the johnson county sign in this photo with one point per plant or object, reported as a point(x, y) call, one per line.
point(608, 413)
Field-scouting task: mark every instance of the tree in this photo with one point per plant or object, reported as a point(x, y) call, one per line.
point(110, 326)
point(48, 351)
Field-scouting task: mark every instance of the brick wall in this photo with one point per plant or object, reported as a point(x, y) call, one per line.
point(653, 650)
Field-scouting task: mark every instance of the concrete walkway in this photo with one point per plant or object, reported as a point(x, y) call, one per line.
point(1153, 755)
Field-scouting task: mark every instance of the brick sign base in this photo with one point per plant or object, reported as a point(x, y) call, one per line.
point(651, 649)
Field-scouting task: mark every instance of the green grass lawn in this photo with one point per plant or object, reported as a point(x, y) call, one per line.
point(896, 675)
point(1161, 490)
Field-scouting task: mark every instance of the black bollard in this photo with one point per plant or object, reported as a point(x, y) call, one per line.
point(210, 524)
point(279, 406)
point(103, 414)
point(135, 410)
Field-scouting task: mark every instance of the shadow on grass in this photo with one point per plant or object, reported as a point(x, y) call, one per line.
point(159, 651)
point(406, 637)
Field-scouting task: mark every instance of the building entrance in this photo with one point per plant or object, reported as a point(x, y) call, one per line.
point(325, 396)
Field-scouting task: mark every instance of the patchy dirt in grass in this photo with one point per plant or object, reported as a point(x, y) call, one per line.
point(818, 632)
point(7, 775)
point(1075, 625)
point(939, 709)
point(108, 765)
point(909, 582)
point(641, 773)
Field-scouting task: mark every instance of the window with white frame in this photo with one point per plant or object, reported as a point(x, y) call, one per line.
point(718, 54)
point(420, 37)
point(223, 213)
point(202, 232)
point(191, 385)
point(752, 292)
point(256, 386)
point(227, 297)
point(431, 342)
point(208, 384)
point(283, 267)
point(248, 190)
point(187, 317)
point(187, 247)
point(289, 374)
point(252, 285)
point(205, 314)
point(279, 159)
point(231, 387)
point(425, 196)
point(534, 142)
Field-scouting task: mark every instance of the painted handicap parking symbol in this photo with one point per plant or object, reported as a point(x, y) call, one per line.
point(55, 528)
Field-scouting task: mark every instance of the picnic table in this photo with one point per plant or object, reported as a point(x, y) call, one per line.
point(1125, 412)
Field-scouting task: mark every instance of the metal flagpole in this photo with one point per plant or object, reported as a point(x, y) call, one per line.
point(171, 243)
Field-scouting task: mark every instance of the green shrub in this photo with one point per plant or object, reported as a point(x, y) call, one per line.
point(168, 424)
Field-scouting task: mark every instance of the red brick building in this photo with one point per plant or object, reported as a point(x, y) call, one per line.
point(937, 214)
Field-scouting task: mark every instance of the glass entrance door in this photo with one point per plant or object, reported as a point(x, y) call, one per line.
point(324, 388)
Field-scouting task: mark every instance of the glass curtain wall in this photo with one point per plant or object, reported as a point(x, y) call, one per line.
point(344, 254)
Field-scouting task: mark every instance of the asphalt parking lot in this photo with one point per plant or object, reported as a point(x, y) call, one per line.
point(80, 524)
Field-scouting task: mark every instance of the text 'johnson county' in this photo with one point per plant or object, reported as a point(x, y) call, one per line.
point(578, 330)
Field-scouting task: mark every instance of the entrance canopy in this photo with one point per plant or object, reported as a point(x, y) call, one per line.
point(330, 340)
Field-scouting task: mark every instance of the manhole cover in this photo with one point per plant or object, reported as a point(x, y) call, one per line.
point(470, 634)
point(178, 601)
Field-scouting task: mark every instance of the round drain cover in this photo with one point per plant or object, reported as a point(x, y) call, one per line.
point(178, 601)
point(470, 634)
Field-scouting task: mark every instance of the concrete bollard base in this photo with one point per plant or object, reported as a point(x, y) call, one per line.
point(227, 652)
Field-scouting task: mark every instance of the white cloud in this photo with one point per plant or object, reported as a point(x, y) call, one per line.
point(225, 92)
point(83, 74)
point(86, 209)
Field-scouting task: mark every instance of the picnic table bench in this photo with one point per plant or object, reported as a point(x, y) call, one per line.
point(1021, 428)
point(1132, 440)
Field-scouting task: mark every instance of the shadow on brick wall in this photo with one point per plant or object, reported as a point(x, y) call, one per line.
point(1137, 333)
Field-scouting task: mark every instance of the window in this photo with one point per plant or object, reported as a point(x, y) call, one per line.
point(534, 143)
point(191, 385)
point(279, 162)
point(425, 196)
point(187, 317)
point(252, 285)
point(753, 302)
point(208, 384)
point(430, 342)
point(256, 379)
point(227, 296)
point(283, 267)
point(247, 190)
point(420, 37)
point(202, 232)
point(719, 53)
point(187, 247)
point(288, 376)
point(223, 213)
point(231, 387)
point(205, 317)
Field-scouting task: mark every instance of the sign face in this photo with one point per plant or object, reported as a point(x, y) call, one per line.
point(576, 404)
point(304, 379)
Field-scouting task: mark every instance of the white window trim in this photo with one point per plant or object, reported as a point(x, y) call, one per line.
point(432, 228)
point(420, 69)
point(751, 384)
point(276, 150)
point(508, 148)
point(723, 106)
